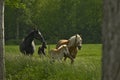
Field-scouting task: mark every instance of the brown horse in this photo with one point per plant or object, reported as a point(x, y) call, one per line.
point(73, 44)
point(60, 53)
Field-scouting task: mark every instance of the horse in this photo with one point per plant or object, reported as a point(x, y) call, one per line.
point(60, 53)
point(74, 43)
point(27, 45)
point(41, 50)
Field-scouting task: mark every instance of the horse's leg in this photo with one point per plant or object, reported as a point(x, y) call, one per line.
point(24, 52)
point(59, 60)
point(30, 54)
point(65, 57)
point(53, 60)
point(44, 53)
point(70, 57)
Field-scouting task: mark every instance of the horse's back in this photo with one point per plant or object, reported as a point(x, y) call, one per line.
point(61, 42)
point(53, 51)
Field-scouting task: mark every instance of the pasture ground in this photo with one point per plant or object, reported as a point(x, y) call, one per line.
point(87, 65)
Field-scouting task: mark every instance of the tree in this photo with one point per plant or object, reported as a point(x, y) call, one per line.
point(20, 15)
point(111, 40)
point(56, 19)
point(2, 74)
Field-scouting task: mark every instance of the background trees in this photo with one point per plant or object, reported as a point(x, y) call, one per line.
point(56, 19)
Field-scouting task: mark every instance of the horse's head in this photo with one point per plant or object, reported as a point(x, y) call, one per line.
point(38, 35)
point(44, 45)
point(76, 41)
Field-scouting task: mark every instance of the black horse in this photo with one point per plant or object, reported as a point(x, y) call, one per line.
point(27, 45)
point(41, 50)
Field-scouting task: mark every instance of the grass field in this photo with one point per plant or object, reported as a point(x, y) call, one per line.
point(87, 65)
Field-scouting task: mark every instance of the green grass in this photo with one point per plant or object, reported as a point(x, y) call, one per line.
point(87, 65)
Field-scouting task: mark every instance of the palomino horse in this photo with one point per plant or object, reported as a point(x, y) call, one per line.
point(27, 46)
point(60, 53)
point(74, 43)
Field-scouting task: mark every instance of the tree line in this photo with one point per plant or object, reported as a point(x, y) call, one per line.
point(56, 19)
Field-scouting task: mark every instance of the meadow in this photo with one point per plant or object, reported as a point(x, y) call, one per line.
point(87, 65)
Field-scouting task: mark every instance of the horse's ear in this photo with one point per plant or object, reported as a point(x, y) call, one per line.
point(34, 27)
point(76, 35)
point(80, 35)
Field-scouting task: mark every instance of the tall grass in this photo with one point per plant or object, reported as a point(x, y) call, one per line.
point(87, 65)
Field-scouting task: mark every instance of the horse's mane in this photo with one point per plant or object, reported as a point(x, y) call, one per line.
point(29, 34)
point(73, 39)
point(61, 47)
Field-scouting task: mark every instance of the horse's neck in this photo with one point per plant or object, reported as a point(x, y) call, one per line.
point(72, 44)
point(72, 47)
point(29, 39)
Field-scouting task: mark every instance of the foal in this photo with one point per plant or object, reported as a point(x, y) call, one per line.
point(41, 50)
point(60, 53)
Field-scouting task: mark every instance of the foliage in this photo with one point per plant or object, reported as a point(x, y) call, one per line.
point(56, 19)
point(87, 65)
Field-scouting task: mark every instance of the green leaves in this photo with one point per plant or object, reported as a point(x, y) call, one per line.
point(15, 3)
point(56, 19)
